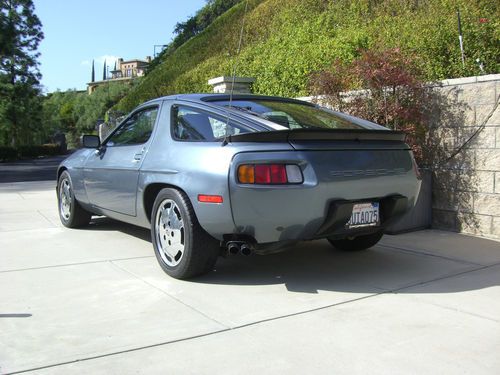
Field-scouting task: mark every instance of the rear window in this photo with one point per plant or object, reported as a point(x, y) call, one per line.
point(194, 125)
point(291, 115)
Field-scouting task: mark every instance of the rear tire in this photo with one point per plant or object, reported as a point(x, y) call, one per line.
point(183, 249)
point(357, 243)
point(72, 215)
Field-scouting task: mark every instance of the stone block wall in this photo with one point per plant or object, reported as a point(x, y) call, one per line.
point(466, 189)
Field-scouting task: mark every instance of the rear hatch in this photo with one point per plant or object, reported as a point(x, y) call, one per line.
point(346, 162)
point(337, 165)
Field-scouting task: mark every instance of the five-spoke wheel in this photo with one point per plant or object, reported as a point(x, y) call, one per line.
point(170, 235)
point(72, 215)
point(182, 247)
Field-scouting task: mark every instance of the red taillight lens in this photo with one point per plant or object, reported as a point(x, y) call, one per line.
point(278, 174)
point(269, 174)
point(262, 174)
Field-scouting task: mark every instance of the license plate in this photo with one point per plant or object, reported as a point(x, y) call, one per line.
point(364, 215)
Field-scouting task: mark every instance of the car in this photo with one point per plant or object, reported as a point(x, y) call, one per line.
point(216, 174)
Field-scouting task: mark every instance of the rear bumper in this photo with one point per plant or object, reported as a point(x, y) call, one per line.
point(391, 209)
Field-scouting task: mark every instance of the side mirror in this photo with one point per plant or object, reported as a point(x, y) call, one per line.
point(91, 141)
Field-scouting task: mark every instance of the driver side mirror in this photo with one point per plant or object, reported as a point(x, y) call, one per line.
point(91, 141)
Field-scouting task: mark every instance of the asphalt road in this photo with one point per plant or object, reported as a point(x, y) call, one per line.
point(41, 169)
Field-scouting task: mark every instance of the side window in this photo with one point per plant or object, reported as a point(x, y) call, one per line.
point(136, 130)
point(190, 124)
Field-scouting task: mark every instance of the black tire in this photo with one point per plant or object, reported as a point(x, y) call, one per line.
point(183, 249)
point(357, 243)
point(72, 215)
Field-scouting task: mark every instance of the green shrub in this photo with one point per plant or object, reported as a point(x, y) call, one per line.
point(7, 153)
point(34, 151)
point(285, 40)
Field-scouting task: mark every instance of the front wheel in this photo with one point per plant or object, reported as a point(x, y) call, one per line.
point(72, 215)
point(357, 243)
point(181, 246)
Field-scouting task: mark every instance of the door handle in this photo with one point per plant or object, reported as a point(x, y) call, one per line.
point(138, 156)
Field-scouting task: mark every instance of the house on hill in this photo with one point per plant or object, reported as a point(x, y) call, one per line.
point(123, 71)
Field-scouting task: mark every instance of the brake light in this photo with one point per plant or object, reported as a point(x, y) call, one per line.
point(269, 174)
point(278, 174)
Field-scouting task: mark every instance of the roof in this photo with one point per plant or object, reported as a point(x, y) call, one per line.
point(134, 60)
point(207, 98)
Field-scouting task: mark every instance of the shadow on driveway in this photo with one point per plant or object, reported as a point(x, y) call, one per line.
point(310, 267)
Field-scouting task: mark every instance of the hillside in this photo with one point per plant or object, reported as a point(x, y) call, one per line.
point(286, 40)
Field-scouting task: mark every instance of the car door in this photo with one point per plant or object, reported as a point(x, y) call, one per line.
point(111, 173)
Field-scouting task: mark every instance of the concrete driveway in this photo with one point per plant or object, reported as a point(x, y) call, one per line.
point(95, 301)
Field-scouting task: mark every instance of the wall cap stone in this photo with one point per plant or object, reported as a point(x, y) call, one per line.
point(223, 84)
point(465, 80)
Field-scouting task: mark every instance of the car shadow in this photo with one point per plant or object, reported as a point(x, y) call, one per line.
point(314, 266)
point(102, 223)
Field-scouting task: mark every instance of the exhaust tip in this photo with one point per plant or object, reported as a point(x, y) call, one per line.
point(246, 250)
point(233, 248)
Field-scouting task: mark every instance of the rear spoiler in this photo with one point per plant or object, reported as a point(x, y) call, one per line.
point(320, 135)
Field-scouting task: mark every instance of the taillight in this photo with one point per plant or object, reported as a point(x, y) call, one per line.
point(270, 174)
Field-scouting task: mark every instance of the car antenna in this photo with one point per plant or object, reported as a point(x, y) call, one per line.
point(235, 64)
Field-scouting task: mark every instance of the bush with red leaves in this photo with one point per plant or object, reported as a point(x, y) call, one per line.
point(389, 92)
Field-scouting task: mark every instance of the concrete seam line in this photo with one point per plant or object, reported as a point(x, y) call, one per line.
point(445, 277)
point(114, 353)
point(421, 252)
point(74, 264)
point(194, 337)
point(169, 295)
point(393, 291)
point(461, 311)
point(56, 225)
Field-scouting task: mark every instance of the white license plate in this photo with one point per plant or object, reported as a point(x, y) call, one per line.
point(364, 215)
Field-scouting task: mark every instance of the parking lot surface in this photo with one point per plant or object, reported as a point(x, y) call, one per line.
point(95, 301)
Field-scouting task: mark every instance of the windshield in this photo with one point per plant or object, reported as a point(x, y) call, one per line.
point(291, 115)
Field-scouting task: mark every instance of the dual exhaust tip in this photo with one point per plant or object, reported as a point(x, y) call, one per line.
point(234, 248)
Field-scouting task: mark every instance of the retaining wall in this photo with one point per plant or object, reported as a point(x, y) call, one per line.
point(466, 188)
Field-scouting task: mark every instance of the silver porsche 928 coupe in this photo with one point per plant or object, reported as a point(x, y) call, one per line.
point(216, 175)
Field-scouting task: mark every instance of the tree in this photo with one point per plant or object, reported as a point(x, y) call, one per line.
point(392, 95)
point(19, 75)
point(92, 78)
